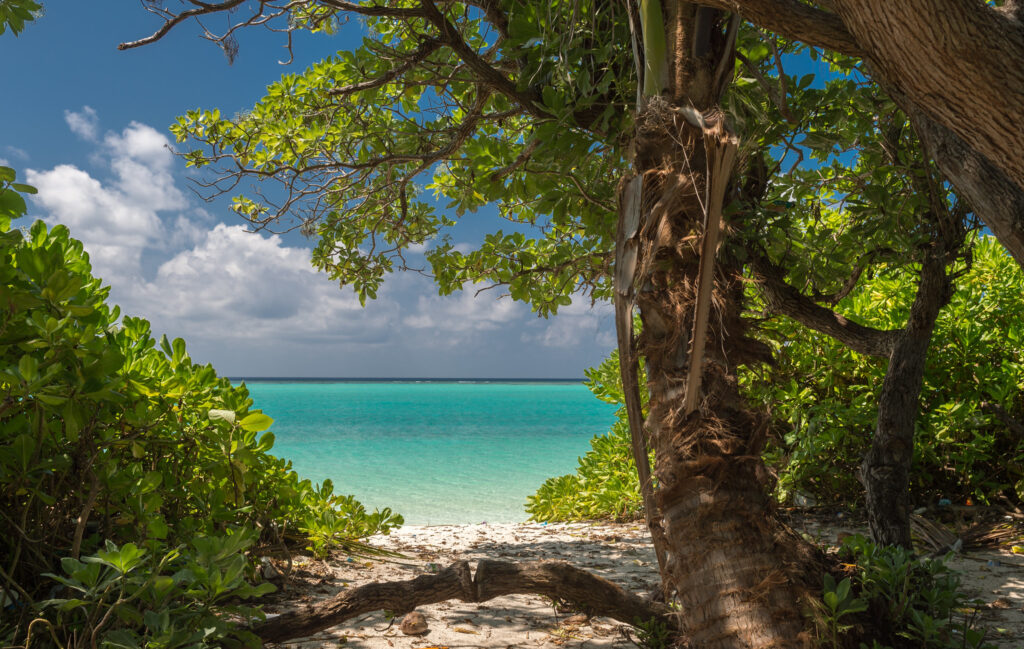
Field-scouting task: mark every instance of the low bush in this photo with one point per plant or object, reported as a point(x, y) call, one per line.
point(605, 485)
point(136, 487)
point(899, 600)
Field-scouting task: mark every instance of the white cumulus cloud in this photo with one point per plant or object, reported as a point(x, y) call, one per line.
point(255, 302)
point(85, 124)
point(464, 312)
point(120, 219)
point(253, 287)
point(578, 321)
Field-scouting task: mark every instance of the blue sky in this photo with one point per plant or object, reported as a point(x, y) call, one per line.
point(87, 124)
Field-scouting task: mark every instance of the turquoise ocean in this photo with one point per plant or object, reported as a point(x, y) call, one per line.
point(437, 452)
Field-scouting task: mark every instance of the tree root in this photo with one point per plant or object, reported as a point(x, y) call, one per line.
point(556, 579)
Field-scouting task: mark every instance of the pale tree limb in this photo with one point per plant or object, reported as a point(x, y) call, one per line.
point(555, 579)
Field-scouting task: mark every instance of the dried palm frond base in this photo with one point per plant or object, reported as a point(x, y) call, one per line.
point(984, 534)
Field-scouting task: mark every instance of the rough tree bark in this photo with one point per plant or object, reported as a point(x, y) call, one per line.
point(956, 67)
point(961, 62)
point(885, 471)
point(739, 575)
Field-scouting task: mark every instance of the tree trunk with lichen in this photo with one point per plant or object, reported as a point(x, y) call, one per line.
point(739, 575)
point(886, 468)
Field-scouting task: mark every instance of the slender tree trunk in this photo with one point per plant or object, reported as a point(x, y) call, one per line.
point(885, 471)
point(738, 574)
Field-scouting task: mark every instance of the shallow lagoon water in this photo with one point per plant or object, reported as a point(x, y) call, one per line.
point(435, 452)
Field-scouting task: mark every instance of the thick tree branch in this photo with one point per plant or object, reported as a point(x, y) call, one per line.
point(486, 74)
point(994, 198)
point(959, 62)
point(784, 299)
point(794, 20)
point(963, 106)
point(555, 579)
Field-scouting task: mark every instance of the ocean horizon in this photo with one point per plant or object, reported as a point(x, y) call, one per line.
point(436, 450)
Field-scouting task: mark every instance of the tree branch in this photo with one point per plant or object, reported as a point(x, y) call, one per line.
point(428, 47)
point(487, 74)
point(784, 299)
point(794, 20)
point(555, 579)
point(171, 22)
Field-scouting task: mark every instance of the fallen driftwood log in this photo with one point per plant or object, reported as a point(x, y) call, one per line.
point(556, 579)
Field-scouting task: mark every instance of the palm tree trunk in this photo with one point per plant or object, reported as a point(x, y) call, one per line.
point(739, 575)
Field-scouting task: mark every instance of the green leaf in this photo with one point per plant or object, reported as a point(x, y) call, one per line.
point(11, 203)
point(150, 481)
point(124, 559)
point(28, 367)
point(256, 422)
point(843, 589)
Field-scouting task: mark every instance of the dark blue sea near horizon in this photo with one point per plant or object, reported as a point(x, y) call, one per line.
point(436, 452)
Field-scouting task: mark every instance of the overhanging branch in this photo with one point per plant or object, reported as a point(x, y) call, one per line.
point(794, 20)
point(784, 299)
point(486, 73)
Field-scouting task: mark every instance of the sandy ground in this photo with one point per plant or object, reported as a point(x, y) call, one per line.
point(621, 553)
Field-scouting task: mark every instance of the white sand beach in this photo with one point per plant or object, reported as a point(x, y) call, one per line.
point(619, 552)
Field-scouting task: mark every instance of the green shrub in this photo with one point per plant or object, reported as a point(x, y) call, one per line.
point(113, 442)
point(906, 601)
point(605, 485)
point(823, 397)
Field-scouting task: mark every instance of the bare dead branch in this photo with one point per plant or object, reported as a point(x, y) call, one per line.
point(555, 579)
point(171, 22)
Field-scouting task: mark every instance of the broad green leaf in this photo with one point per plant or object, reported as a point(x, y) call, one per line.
point(256, 422)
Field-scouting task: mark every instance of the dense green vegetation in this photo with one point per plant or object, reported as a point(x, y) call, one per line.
point(605, 485)
point(823, 397)
point(901, 599)
point(138, 480)
point(823, 403)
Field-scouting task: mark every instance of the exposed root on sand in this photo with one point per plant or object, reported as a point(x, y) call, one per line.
point(555, 579)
